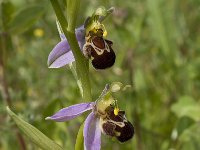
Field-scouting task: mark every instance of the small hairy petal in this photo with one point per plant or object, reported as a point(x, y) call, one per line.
point(80, 34)
point(71, 112)
point(92, 133)
point(61, 54)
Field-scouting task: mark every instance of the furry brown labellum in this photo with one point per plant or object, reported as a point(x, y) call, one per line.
point(99, 50)
point(117, 125)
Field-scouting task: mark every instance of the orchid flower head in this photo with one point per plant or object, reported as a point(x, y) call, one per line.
point(97, 49)
point(105, 117)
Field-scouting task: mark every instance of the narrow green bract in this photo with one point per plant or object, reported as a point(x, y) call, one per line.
point(34, 134)
point(80, 139)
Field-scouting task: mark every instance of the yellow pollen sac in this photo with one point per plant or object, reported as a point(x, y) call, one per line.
point(105, 33)
point(116, 111)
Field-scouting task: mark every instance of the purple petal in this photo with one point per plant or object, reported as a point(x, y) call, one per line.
point(71, 112)
point(61, 54)
point(92, 133)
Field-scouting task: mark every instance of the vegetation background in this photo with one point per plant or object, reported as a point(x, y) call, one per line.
point(158, 52)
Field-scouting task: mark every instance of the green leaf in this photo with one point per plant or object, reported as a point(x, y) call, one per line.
point(25, 18)
point(186, 106)
point(34, 134)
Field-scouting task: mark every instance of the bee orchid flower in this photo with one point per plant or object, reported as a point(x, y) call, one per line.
point(92, 131)
point(105, 117)
point(92, 43)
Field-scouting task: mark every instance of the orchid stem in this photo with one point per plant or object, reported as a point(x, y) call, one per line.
point(59, 13)
point(68, 29)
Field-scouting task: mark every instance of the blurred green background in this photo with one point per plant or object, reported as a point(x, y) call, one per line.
point(158, 53)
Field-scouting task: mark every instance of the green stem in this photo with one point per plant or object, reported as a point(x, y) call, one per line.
point(81, 66)
point(79, 139)
point(69, 31)
point(59, 13)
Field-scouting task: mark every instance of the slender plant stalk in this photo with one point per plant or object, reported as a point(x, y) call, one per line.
point(69, 31)
point(59, 13)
